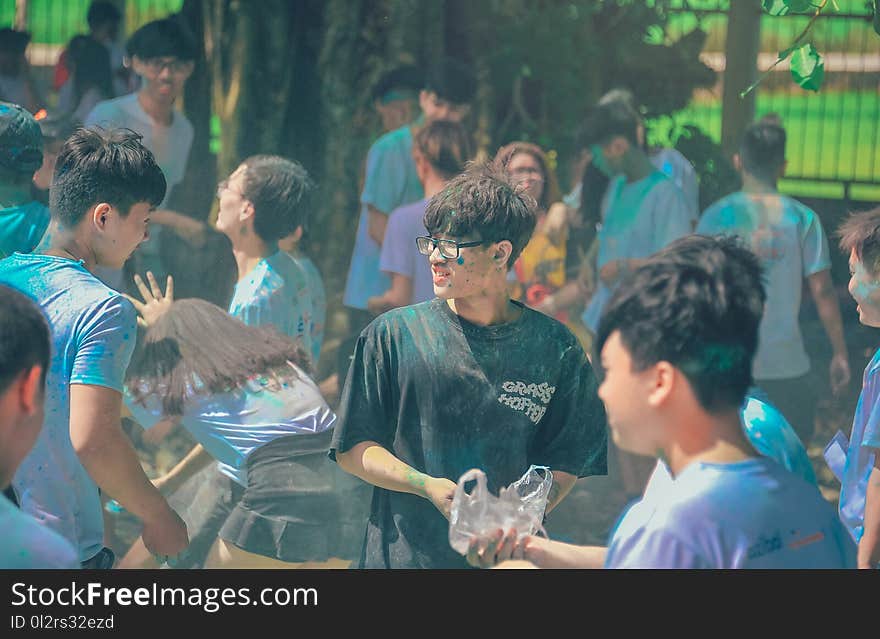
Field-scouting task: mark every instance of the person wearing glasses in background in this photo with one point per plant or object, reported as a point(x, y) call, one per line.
point(163, 54)
point(471, 379)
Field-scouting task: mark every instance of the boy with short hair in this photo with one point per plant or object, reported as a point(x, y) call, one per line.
point(163, 54)
point(789, 240)
point(23, 220)
point(469, 379)
point(106, 185)
point(677, 342)
point(642, 210)
point(860, 483)
point(25, 346)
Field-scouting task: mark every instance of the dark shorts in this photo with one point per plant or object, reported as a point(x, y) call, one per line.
point(796, 399)
point(297, 504)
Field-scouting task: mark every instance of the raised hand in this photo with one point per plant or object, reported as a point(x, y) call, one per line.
point(155, 303)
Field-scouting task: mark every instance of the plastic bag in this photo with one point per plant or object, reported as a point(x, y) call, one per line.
point(520, 506)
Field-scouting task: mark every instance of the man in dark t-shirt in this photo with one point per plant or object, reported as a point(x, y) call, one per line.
point(468, 380)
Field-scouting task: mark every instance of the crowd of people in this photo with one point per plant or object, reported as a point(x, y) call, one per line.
point(493, 323)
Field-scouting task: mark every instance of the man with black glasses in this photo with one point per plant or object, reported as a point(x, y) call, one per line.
point(471, 379)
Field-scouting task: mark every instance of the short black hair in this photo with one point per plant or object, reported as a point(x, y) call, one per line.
point(453, 81)
point(276, 187)
point(696, 304)
point(762, 150)
point(25, 339)
point(860, 232)
point(96, 165)
point(406, 78)
point(161, 39)
point(607, 121)
point(101, 13)
point(483, 202)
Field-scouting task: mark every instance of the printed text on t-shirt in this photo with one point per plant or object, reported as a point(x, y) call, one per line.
point(522, 401)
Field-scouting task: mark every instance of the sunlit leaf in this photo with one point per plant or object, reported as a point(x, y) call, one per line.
point(807, 67)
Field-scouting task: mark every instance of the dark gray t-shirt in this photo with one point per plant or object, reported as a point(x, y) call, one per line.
point(445, 395)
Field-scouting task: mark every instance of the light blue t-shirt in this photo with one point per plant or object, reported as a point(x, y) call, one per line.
point(94, 332)
point(21, 227)
point(27, 544)
point(276, 293)
point(390, 181)
point(638, 219)
point(315, 287)
point(232, 425)
point(399, 252)
point(770, 434)
point(749, 514)
point(863, 444)
point(788, 239)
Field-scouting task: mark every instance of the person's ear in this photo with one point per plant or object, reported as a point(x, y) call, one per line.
point(247, 211)
point(30, 390)
point(503, 251)
point(100, 214)
point(737, 162)
point(663, 378)
point(782, 169)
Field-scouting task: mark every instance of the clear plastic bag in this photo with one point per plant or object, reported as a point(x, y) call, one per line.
point(520, 506)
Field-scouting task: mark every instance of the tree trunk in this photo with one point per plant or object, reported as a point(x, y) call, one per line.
point(741, 55)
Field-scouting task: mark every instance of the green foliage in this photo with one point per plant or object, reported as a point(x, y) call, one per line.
point(807, 67)
point(784, 7)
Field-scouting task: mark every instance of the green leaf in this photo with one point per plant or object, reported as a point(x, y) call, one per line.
point(807, 67)
point(775, 7)
point(877, 17)
point(800, 6)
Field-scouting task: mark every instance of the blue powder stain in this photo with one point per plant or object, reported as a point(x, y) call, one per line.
point(460, 260)
point(125, 336)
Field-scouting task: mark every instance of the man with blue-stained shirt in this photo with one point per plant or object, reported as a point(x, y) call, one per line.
point(642, 210)
point(789, 240)
point(105, 186)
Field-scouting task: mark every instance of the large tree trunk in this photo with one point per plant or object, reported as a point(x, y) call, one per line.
point(741, 55)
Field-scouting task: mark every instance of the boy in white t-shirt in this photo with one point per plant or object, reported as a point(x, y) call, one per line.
point(163, 54)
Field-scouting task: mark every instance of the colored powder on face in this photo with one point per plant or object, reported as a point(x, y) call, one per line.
point(866, 286)
point(461, 260)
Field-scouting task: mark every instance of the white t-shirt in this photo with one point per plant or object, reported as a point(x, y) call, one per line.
point(638, 219)
point(749, 514)
point(399, 252)
point(789, 240)
point(170, 144)
point(232, 425)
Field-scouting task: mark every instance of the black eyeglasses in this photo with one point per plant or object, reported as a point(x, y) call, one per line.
point(448, 248)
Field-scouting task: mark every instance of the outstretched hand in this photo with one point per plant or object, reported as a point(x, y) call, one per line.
point(155, 303)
